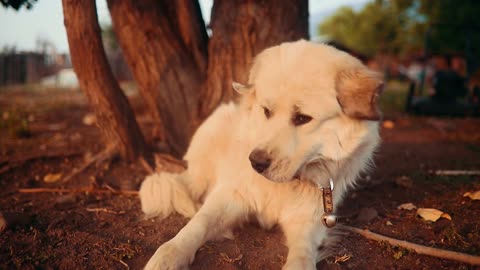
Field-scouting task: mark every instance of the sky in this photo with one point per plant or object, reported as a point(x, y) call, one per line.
point(44, 21)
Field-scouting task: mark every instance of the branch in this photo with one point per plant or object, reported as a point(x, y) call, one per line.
point(434, 252)
point(455, 172)
point(108, 153)
point(79, 190)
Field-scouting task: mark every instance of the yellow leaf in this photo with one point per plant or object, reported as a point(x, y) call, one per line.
point(431, 214)
point(398, 255)
point(52, 177)
point(388, 124)
point(473, 195)
point(446, 216)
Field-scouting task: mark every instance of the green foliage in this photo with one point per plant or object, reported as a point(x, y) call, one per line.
point(17, 4)
point(381, 26)
point(454, 25)
point(16, 123)
point(399, 26)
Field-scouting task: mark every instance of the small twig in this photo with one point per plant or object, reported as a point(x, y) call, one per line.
point(79, 190)
point(107, 186)
point(434, 252)
point(5, 169)
point(343, 258)
point(124, 263)
point(231, 260)
point(105, 210)
point(456, 172)
point(108, 153)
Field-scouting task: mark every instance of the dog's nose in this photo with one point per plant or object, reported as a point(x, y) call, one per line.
point(260, 160)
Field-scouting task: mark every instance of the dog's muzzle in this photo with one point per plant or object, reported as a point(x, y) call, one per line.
point(260, 160)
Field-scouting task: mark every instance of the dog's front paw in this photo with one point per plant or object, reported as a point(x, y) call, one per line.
point(168, 257)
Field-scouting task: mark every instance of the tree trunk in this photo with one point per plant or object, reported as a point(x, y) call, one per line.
point(188, 20)
point(241, 29)
point(165, 44)
point(167, 68)
point(114, 115)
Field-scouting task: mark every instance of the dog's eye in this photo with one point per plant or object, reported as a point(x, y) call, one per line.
point(267, 112)
point(301, 119)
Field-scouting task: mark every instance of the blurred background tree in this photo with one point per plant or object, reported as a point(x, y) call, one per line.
point(401, 26)
point(453, 27)
point(17, 4)
point(379, 27)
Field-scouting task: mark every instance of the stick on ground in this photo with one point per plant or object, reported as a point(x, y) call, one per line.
point(78, 190)
point(456, 172)
point(435, 252)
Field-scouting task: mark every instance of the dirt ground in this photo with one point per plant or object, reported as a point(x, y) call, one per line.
point(42, 133)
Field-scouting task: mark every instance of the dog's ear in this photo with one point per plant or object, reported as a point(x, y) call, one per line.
point(242, 89)
point(357, 93)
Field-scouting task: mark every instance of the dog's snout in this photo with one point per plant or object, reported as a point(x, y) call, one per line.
point(260, 160)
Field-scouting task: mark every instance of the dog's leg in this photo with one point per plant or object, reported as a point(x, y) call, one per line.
point(221, 210)
point(303, 239)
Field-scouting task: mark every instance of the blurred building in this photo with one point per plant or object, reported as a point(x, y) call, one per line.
point(30, 67)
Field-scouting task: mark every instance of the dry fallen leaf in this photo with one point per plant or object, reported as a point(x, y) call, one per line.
point(473, 195)
point(398, 255)
point(388, 124)
point(388, 223)
point(406, 206)
point(227, 258)
point(52, 177)
point(343, 258)
point(431, 214)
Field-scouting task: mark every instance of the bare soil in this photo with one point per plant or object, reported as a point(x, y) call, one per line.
point(42, 132)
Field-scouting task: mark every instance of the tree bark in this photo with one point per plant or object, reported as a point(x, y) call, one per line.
point(240, 30)
point(165, 44)
point(115, 117)
point(188, 20)
point(167, 63)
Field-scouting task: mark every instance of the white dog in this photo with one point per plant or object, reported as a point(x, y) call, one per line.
point(308, 114)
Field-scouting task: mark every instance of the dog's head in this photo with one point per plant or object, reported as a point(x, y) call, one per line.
point(307, 102)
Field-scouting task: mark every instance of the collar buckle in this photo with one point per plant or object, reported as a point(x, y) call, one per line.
point(328, 218)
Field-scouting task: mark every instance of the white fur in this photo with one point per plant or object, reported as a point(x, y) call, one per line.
point(220, 181)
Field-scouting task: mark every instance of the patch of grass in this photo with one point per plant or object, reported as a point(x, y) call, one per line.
point(425, 177)
point(473, 147)
point(397, 252)
point(451, 181)
point(15, 122)
point(124, 251)
point(451, 237)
